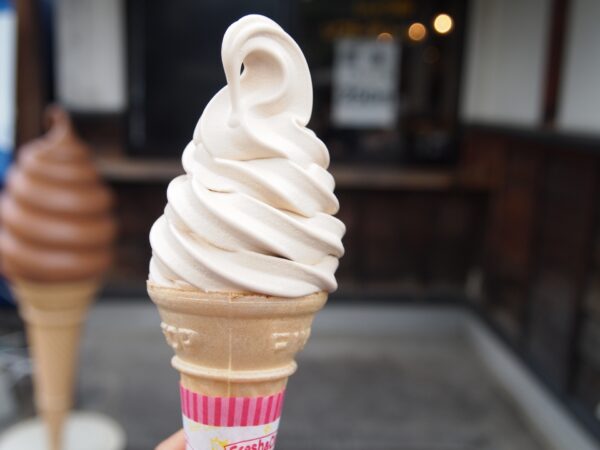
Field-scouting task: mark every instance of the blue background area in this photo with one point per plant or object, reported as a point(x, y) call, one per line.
point(5, 4)
point(5, 295)
point(5, 160)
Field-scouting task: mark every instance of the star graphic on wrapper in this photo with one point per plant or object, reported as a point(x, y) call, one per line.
point(218, 444)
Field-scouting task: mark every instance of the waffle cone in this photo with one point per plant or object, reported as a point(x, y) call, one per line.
point(232, 344)
point(53, 315)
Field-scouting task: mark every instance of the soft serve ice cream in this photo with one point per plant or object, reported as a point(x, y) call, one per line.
point(57, 224)
point(246, 251)
point(254, 211)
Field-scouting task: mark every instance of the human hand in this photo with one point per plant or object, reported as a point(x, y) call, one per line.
point(175, 442)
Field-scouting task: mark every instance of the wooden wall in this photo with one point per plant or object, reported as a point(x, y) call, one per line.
point(409, 243)
point(542, 255)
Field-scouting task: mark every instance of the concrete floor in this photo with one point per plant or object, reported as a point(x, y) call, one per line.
point(358, 392)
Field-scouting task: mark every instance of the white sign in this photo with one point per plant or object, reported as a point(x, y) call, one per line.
point(8, 45)
point(8, 70)
point(90, 47)
point(365, 84)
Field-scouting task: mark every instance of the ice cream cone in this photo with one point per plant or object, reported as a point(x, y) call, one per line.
point(235, 353)
point(53, 314)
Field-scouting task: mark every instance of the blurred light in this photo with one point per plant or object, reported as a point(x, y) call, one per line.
point(443, 23)
point(385, 37)
point(417, 31)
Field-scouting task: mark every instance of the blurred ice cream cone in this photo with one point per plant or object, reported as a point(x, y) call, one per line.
point(55, 244)
point(54, 314)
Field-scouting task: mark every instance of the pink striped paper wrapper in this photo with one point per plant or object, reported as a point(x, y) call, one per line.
point(230, 423)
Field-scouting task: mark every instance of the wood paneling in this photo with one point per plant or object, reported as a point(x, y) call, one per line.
point(512, 172)
point(542, 254)
point(563, 241)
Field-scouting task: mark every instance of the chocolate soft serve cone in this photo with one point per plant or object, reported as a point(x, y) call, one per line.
point(246, 251)
point(56, 242)
point(56, 216)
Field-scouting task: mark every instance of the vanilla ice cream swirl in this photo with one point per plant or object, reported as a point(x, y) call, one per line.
point(254, 211)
